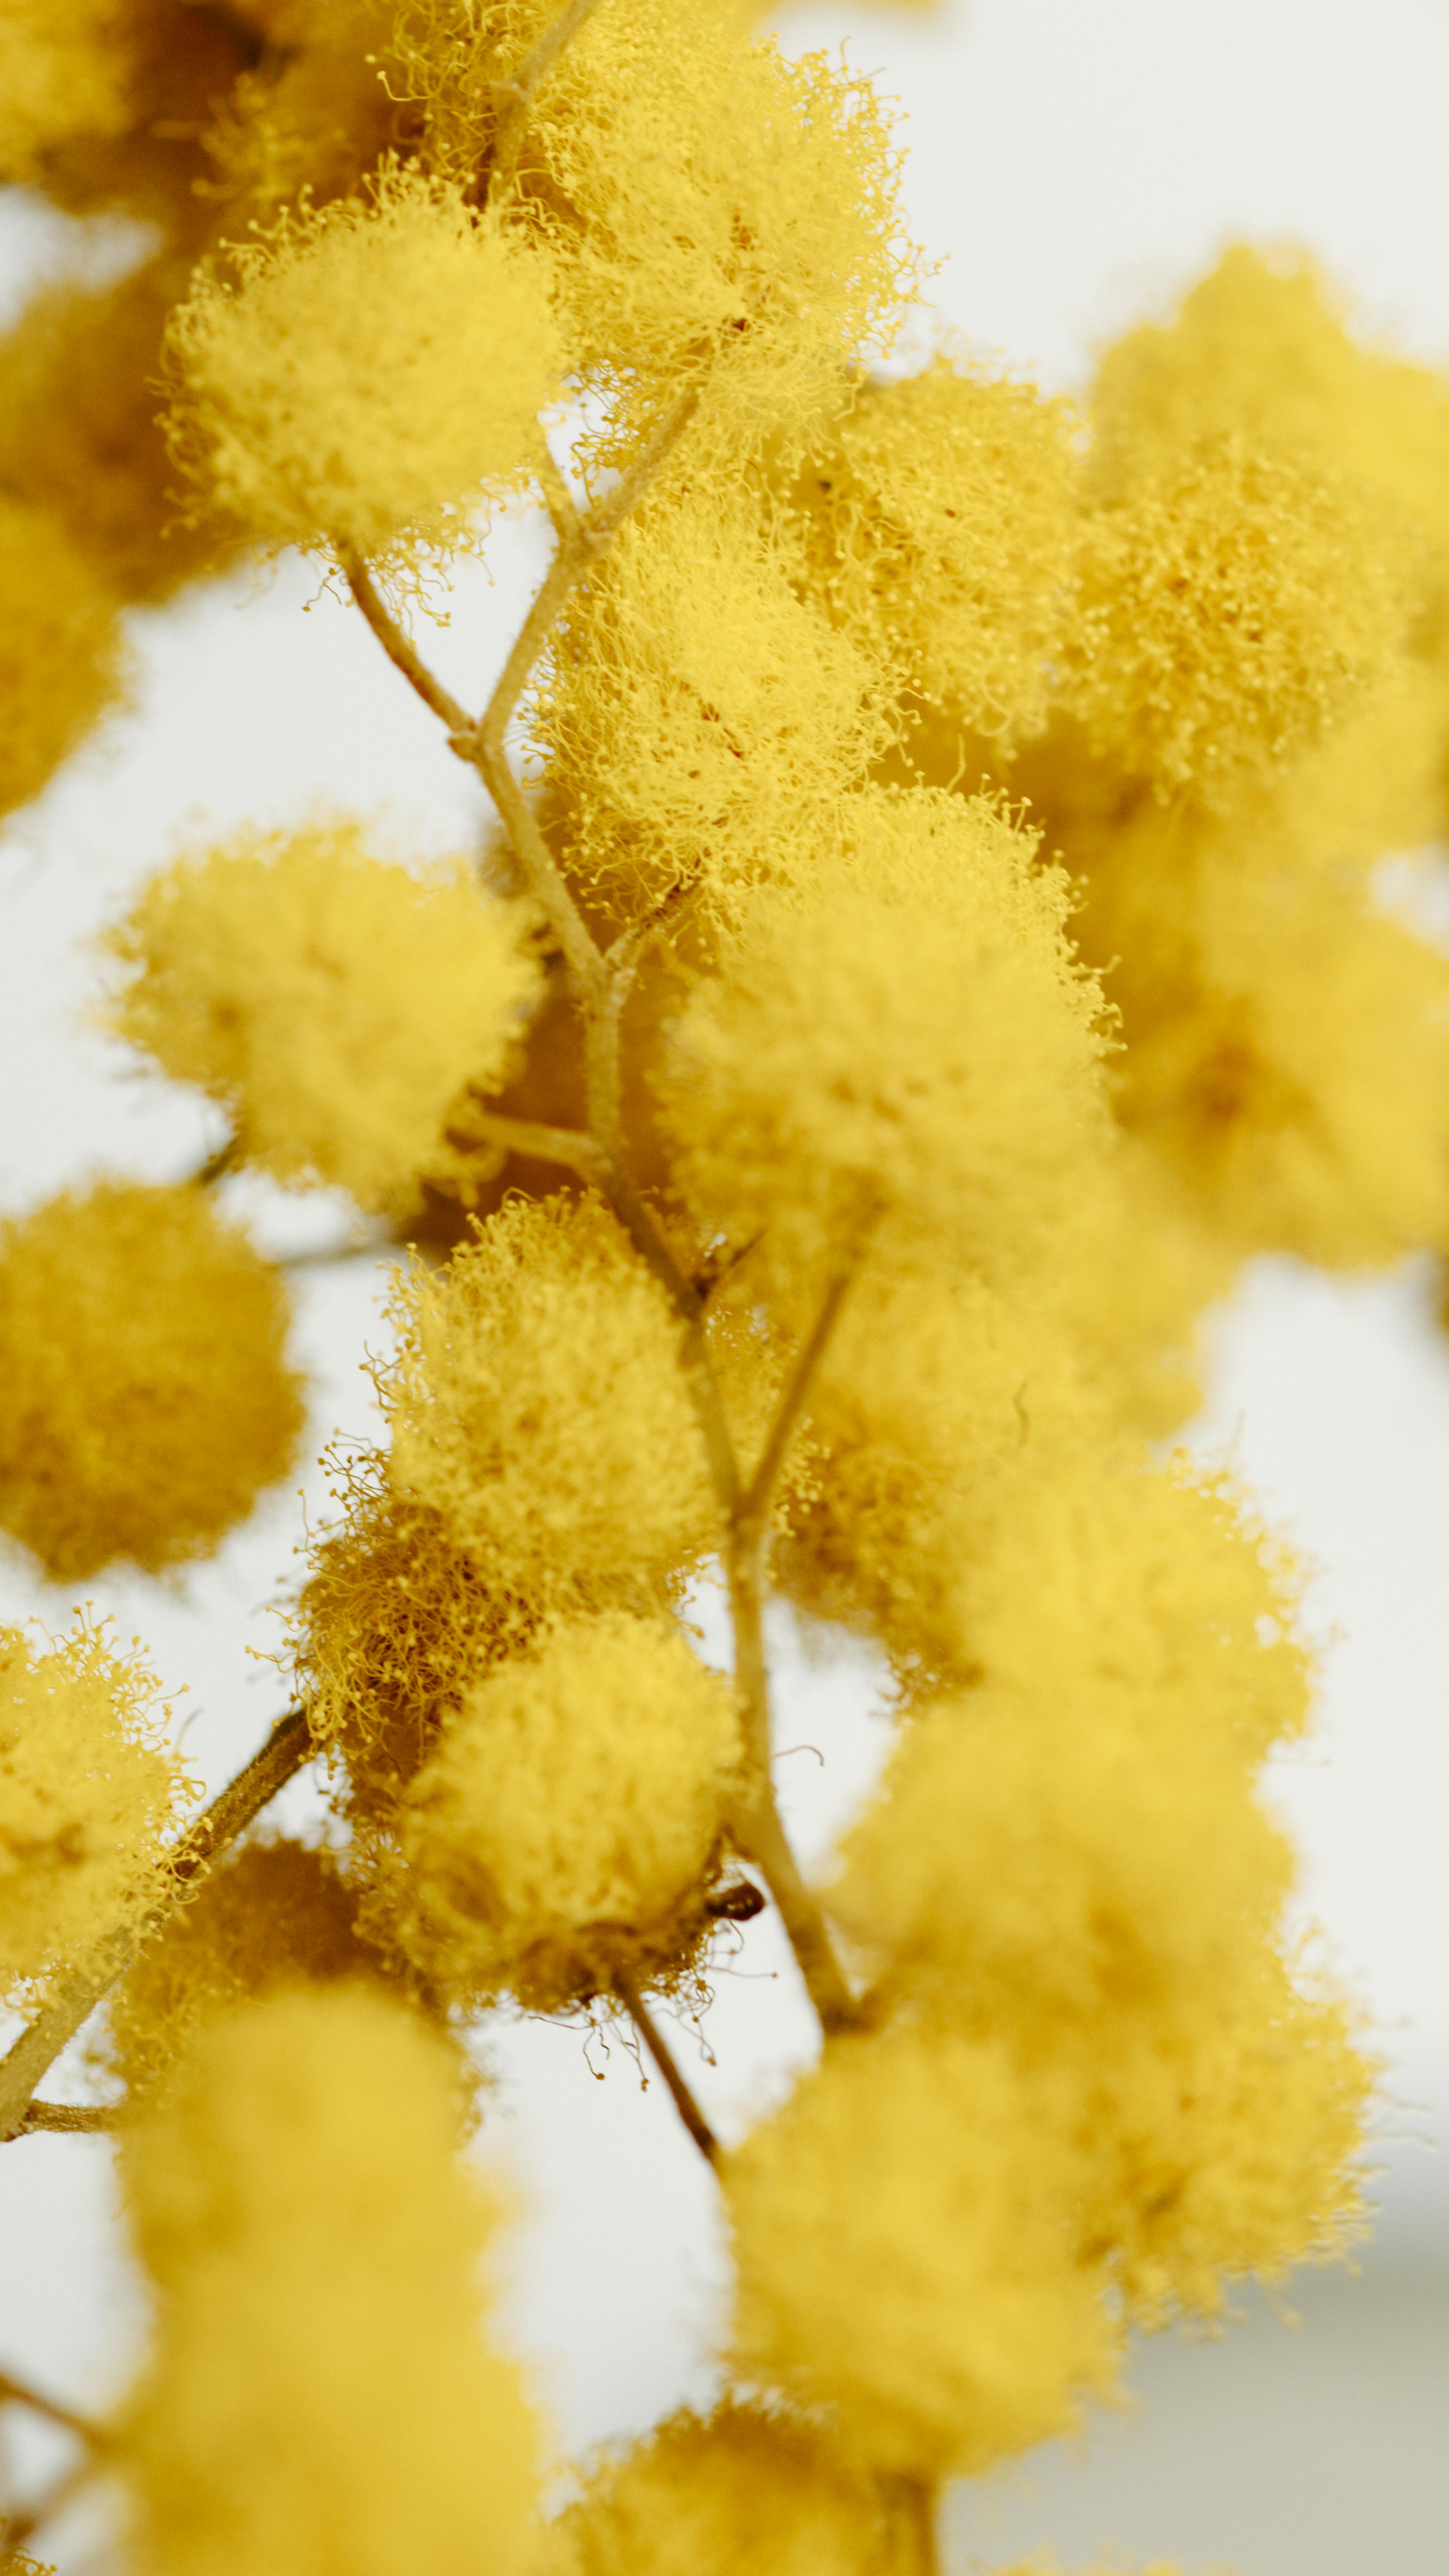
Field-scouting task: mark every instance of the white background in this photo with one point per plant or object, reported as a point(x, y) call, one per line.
point(1073, 164)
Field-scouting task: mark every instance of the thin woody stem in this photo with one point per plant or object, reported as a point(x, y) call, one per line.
point(17, 2528)
point(397, 644)
point(287, 1749)
point(918, 2501)
point(16, 2392)
point(658, 2047)
point(758, 1831)
point(572, 1146)
point(755, 1506)
point(758, 1828)
point(514, 96)
point(487, 746)
point(558, 500)
point(84, 2119)
point(600, 984)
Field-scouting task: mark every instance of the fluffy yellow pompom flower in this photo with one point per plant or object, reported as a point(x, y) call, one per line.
point(932, 1383)
point(78, 428)
point(942, 525)
point(60, 649)
point(716, 210)
point(333, 1001)
point(143, 1345)
point(1259, 346)
point(710, 2496)
point(319, 2391)
point(917, 2181)
point(571, 1816)
point(694, 701)
point(89, 1791)
point(540, 1406)
point(316, 113)
point(394, 1626)
point(1222, 2134)
point(1055, 1853)
point(904, 1030)
point(67, 77)
point(1289, 1057)
point(371, 371)
point(270, 1914)
point(1230, 611)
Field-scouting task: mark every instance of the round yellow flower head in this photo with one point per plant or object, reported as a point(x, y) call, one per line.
point(334, 1002)
point(89, 1792)
point(1291, 1064)
point(1034, 1854)
point(371, 371)
point(270, 1914)
point(917, 2180)
point(316, 114)
point(318, 2391)
point(694, 701)
point(60, 649)
point(1161, 1586)
point(717, 211)
point(1230, 612)
point(931, 1383)
point(1260, 346)
point(571, 1817)
point(79, 435)
point(67, 77)
point(142, 1342)
point(941, 525)
point(393, 1628)
point(540, 1406)
point(1222, 2135)
point(905, 1030)
point(708, 2496)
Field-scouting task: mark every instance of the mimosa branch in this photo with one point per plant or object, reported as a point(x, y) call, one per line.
point(287, 1749)
point(83, 2119)
point(600, 983)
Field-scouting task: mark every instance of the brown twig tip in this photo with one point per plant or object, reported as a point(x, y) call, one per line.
point(80, 2119)
point(658, 2047)
point(17, 2392)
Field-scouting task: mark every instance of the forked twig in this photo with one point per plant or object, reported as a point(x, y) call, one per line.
point(287, 1749)
point(599, 982)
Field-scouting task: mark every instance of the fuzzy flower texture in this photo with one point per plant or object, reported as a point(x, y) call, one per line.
point(926, 933)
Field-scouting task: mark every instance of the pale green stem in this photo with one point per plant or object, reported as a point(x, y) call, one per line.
point(600, 984)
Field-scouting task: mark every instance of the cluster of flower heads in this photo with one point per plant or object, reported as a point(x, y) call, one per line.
point(335, 1003)
point(90, 1794)
point(988, 795)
